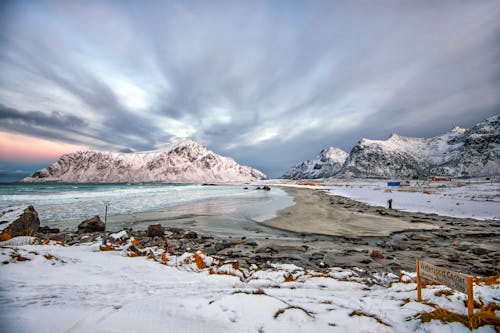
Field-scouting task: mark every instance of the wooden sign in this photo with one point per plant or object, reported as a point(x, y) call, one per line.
point(454, 280)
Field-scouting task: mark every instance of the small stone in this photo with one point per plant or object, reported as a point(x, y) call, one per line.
point(479, 251)
point(48, 230)
point(155, 230)
point(191, 235)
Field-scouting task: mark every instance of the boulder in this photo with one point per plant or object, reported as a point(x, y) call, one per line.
point(19, 222)
point(93, 224)
point(155, 230)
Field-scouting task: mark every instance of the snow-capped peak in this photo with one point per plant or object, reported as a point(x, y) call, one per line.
point(326, 164)
point(460, 152)
point(458, 130)
point(183, 161)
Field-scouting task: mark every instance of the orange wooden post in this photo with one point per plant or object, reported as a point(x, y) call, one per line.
point(470, 296)
point(419, 283)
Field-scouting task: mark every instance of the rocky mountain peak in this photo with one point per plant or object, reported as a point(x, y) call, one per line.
point(184, 161)
point(326, 164)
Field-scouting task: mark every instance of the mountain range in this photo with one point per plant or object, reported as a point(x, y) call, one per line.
point(182, 162)
point(459, 153)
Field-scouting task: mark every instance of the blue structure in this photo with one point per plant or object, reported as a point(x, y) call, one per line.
point(393, 183)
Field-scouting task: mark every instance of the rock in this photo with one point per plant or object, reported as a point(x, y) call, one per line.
point(376, 254)
point(155, 230)
point(91, 225)
point(479, 251)
point(221, 246)
point(20, 222)
point(266, 188)
point(48, 230)
point(191, 235)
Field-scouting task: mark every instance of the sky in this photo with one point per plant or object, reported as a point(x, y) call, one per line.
point(268, 83)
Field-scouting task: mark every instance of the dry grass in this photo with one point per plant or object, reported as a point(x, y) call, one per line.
point(446, 292)
point(281, 311)
point(21, 258)
point(484, 317)
point(4, 236)
point(164, 258)
point(107, 248)
point(361, 313)
point(405, 301)
point(492, 280)
point(200, 264)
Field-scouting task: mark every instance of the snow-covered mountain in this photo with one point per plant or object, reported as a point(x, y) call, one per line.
point(184, 162)
point(327, 164)
point(474, 152)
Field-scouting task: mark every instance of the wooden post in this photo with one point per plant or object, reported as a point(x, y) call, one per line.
point(470, 296)
point(419, 283)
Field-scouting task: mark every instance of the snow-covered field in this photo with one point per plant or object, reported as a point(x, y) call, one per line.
point(478, 199)
point(81, 289)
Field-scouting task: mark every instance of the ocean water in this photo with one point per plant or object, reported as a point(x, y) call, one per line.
point(215, 209)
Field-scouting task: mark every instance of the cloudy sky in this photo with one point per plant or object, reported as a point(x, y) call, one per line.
point(268, 83)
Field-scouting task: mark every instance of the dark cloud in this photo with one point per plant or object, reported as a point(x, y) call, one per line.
point(268, 83)
point(12, 117)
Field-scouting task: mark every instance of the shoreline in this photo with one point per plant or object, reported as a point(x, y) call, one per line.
point(464, 245)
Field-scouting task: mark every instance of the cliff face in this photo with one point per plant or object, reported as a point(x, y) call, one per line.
point(184, 162)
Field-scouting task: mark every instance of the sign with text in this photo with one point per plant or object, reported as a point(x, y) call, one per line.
point(454, 280)
point(444, 276)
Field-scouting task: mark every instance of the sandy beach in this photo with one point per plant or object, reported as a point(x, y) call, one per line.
point(313, 213)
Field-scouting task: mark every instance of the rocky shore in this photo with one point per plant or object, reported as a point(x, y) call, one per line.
point(464, 245)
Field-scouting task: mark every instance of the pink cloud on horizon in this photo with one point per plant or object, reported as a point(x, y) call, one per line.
point(20, 148)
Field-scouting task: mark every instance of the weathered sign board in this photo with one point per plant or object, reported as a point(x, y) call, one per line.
point(454, 280)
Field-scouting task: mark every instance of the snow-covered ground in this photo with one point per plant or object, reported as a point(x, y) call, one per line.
point(81, 289)
point(475, 199)
point(478, 199)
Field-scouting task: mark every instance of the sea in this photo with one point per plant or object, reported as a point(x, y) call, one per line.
point(219, 210)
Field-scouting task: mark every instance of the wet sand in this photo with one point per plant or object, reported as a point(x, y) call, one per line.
point(312, 213)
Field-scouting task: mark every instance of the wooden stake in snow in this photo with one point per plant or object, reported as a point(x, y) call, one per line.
point(454, 280)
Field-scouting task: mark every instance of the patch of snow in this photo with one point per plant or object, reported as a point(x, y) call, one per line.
point(74, 289)
point(10, 216)
point(18, 241)
point(476, 199)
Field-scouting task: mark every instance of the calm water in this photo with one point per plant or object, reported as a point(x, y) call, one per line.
point(216, 209)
